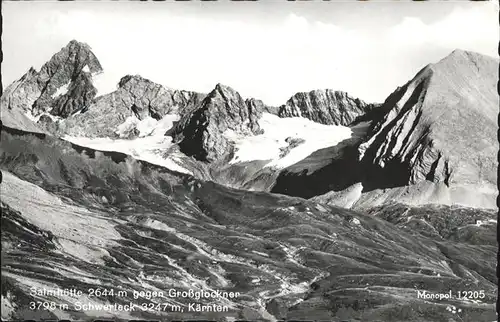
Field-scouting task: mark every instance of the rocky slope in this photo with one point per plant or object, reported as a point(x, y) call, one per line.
point(433, 140)
point(62, 86)
point(104, 220)
point(200, 133)
point(120, 113)
point(443, 123)
point(325, 106)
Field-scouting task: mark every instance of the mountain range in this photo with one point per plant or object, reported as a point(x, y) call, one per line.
point(326, 207)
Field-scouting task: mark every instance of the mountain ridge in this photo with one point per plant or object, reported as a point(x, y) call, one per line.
point(405, 143)
point(325, 106)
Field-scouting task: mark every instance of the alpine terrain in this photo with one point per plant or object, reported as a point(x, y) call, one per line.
point(157, 203)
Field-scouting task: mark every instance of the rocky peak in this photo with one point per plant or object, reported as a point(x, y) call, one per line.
point(66, 65)
point(441, 126)
point(63, 85)
point(66, 80)
point(458, 55)
point(324, 106)
point(224, 88)
point(200, 133)
point(230, 110)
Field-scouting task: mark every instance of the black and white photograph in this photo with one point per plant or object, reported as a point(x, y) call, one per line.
point(249, 161)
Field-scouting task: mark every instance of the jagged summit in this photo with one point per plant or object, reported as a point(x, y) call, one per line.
point(75, 42)
point(62, 86)
point(72, 59)
point(200, 132)
point(222, 87)
point(226, 92)
point(31, 72)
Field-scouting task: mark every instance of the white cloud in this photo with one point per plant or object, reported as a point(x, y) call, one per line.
point(473, 29)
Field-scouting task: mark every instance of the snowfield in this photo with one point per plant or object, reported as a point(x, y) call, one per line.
point(151, 145)
point(269, 145)
point(151, 149)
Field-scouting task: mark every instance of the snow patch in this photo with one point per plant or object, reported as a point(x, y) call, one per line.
point(86, 69)
point(150, 146)
point(151, 126)
point(52, 117)
point(480, 223)
point(61, 91)
point(86, 253)
point(35, 119)
point(186, 95)
point(123, 129)
point(148, 126)
point(260, 253)
point(316, 136)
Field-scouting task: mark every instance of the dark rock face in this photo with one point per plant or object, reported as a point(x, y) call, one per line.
point(37, 92)
point(442, 124)
point(80, 94)
point(200, 132)
point(72, 67)
point(325, 106)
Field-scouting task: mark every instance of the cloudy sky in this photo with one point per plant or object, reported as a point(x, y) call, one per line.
point(266, 49)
